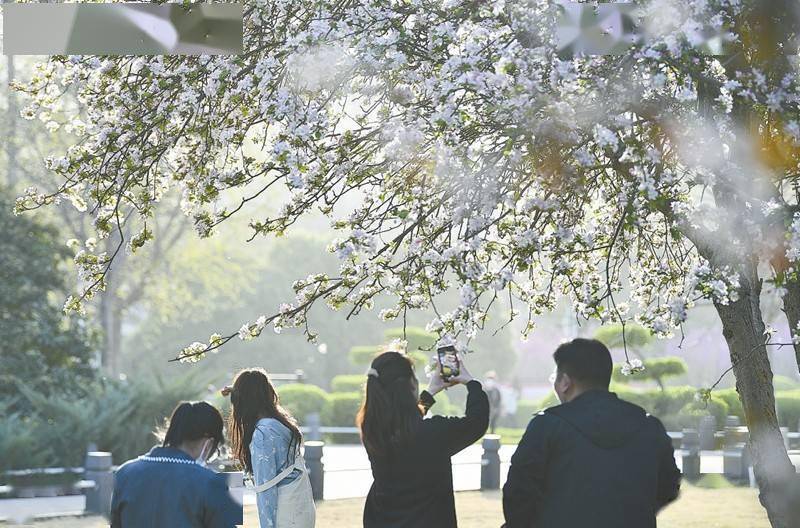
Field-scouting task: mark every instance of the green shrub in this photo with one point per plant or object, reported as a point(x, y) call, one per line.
point(341, 409)
point(655, 369)
point(348, 383)
point(302, 399)
point(362, 356)
point(731, 397)
point(118, 416)
point(788, 406)
point(671, 400)
point(18, 443)
point(690, 415)
point(415, 337)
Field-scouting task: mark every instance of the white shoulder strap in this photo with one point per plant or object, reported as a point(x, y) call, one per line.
point(298, 464)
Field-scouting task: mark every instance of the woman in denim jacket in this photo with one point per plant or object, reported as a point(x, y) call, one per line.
point(266, 440)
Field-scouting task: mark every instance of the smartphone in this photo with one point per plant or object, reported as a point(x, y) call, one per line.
point(449, 364)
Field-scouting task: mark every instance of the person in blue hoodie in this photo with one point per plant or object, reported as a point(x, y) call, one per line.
point(170, 486)
point(594, 460)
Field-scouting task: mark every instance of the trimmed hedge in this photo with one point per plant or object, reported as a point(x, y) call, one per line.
point(788, 404)
point(691, 413)
point(363, 355)
point(349, 383)
point(731, 397)
point(341, 409)
point(302, 399)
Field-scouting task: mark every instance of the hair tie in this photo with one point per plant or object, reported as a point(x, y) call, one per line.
point(372, 372)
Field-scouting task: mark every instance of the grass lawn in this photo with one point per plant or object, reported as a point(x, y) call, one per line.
point(697, 508)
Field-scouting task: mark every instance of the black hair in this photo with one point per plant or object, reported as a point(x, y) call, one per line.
point(390, 412)
point(253, 397)
point(194, 421)
point(587, 361)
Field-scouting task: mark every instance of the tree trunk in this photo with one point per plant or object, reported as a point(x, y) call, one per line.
point(743, 328)
point(111, 322)
point(111, 313)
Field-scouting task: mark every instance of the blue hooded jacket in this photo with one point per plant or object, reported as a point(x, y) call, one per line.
point(172, 492)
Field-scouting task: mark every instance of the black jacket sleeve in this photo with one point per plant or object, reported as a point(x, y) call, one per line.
point(455, 433)
point(523, 492)
point(426, 401)
point(669, 477)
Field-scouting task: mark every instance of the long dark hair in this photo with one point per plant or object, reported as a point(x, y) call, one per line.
point(390, 412)
point(253, 397)
point(194, 421)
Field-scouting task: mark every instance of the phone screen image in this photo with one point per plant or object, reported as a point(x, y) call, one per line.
point(449, 364)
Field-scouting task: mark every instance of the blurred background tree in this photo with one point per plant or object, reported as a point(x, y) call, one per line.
point(41, 348)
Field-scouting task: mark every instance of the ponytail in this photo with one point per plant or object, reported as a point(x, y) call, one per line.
point(390, 412)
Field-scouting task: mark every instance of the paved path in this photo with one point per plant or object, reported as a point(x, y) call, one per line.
point(347, 475)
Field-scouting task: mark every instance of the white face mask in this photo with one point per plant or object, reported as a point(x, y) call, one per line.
point(204, 452)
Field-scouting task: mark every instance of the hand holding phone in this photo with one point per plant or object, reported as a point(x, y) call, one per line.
point(449, 362)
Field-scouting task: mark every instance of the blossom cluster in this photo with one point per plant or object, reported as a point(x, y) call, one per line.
point(478, 158)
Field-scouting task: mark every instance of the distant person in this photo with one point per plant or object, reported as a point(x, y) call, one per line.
point(170, 485)
point(266, 440)
point(495, 399)
point(593, 461)
point(410, 456)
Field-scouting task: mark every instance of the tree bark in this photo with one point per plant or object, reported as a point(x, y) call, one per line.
point(743, 328)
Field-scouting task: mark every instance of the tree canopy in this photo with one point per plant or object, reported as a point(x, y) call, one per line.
point(482, 160)
point(41, 348)
point(453, 146)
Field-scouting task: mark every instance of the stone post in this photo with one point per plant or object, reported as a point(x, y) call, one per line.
point(313, 424)
point(690, 445)
point(707, 428)
point(490, 463)
point(735, 456)
point(316, 469)
point(98, 470)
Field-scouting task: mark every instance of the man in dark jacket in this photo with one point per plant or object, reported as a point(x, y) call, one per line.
point(593, 461)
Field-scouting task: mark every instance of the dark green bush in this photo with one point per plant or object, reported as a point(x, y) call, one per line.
point(341, 409)
point(348, 383)
point(118, 416)
point(302, 399)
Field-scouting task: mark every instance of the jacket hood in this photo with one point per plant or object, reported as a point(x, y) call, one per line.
point(602, 417)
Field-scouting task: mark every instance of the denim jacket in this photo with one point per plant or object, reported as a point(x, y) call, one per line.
point(166, 489)
point(268, 452)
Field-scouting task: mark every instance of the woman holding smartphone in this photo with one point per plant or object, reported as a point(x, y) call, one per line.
point(410, 456)
point(266, 440)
